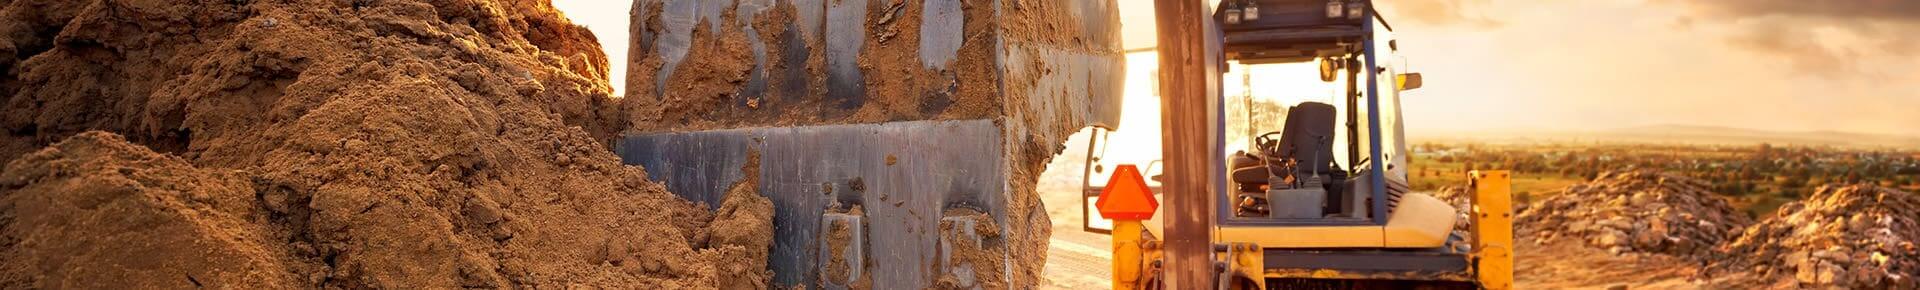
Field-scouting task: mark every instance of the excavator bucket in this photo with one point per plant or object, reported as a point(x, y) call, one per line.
point(889, 134)
point(904, 175)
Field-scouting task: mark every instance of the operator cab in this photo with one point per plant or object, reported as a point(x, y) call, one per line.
point(1305, 175)
point(1328, 170)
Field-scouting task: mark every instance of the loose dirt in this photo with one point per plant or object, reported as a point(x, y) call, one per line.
point(743, 230)
point(839, 239)
point(98, 212)
point(972, 251)
point(710, 86)
point(311, 144)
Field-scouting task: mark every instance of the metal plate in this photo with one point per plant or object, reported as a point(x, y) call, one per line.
point(935, 165)
point(1365, 261)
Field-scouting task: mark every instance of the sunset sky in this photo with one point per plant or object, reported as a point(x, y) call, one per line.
point(1784, 65)
point(1765, 64)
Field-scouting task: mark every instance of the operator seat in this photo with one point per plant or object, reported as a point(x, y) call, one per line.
point(1308, 138)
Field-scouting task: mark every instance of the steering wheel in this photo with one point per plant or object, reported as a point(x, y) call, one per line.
point(1268, 144)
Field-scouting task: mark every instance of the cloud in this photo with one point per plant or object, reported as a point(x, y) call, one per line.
point(1461, 13)
point(1835, 39)
point(1906, 10)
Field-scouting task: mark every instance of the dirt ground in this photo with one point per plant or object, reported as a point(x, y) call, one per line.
point(1569, 264)
point(1076, 259)
point(319, 144)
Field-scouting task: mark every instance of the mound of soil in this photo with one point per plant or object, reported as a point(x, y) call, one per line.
point(1637, 212)
point(98, 212)
point(323, 143)
point(1850, 237)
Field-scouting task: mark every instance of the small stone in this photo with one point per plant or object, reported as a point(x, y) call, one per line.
point(614, 251)
point(483, 210)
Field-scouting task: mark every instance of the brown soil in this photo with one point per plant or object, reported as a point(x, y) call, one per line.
point(743, 230)
point(839, 238)
point(400, 143)
point(705, 90)
point(98, 212)
point(985, 262)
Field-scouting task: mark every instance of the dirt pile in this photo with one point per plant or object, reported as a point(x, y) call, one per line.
point(157, 221)
point(1635, 211)
point(320, 143)
point(1852, 237)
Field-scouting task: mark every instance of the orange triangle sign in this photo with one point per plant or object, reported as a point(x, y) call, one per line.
point(1127, 196)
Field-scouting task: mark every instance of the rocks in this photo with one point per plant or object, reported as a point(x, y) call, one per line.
point(1635, 212)
point(1854, 236)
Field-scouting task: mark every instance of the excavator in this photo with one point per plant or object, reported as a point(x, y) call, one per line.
point(1324, 200)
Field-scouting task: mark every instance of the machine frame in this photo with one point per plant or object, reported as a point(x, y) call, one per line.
point(1286, 32)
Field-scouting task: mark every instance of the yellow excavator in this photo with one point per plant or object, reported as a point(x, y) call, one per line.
point(1324, 200)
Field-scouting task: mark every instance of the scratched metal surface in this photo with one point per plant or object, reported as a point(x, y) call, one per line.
point(804, 170)
point(941, 164)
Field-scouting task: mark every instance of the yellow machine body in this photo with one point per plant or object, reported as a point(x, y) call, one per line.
point(1421, 222)
point(1492, 228)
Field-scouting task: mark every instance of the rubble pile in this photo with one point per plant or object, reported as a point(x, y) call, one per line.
point(1635, 212)
point(1853, 237)
point(1454, 195)
point(1457, 196)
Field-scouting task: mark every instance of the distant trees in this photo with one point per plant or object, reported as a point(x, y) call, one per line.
point(1738, 170)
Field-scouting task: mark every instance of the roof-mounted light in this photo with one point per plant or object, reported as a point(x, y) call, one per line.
point(1233, 13)
point(1356, 9)
point(1336, 9)
point(1252, 11)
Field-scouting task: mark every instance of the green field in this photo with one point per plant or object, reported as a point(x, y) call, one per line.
point(1431, 175)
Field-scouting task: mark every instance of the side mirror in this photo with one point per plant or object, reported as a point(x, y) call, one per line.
point(1409, 81)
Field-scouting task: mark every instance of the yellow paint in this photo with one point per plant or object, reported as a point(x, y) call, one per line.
point(1249, 264)
point(1126, 254)
point(1421, 222)
point(1493, 228)
point(1326, 274)
point(1364, 236)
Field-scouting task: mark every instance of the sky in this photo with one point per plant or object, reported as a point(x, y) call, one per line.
point(1522, 65)
point(1783, 65)
point(608, 21)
